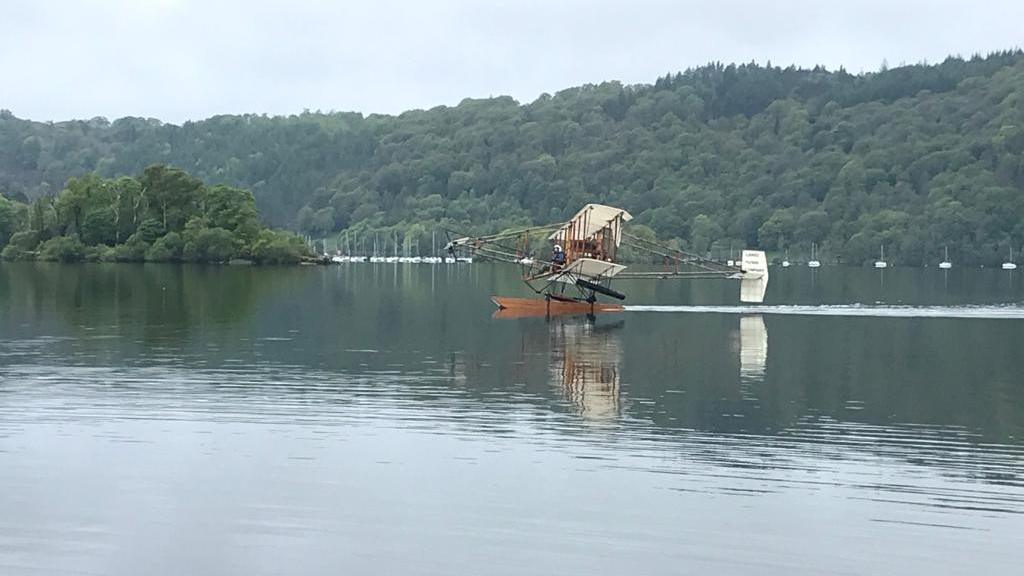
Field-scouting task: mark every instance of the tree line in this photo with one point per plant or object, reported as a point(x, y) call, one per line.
point(163, 215)
point(915, 158)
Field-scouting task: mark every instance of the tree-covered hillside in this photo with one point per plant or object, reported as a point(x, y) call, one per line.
point(915, 158)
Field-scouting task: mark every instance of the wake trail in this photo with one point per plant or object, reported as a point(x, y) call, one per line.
point(996, 312)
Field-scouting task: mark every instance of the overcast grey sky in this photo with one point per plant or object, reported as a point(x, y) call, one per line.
point(189, 59)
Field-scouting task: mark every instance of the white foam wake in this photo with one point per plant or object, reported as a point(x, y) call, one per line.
point(1006, 312)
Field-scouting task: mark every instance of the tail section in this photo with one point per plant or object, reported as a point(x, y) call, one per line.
point(754, 281)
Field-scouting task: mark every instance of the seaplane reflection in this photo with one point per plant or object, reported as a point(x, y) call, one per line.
point(753, 344)
point(585, 365)
point(751, 347)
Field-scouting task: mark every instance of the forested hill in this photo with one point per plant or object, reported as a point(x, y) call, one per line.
point(914, 157)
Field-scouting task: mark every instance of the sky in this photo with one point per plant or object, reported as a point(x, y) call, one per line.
point(179, 60)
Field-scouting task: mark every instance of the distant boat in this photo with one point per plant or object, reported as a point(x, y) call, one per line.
point(1009, 265)
point(881, 263)
point(946, 264)
point(813, 263)
point(785, 260)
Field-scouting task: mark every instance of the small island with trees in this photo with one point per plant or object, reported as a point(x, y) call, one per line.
point(163, 215)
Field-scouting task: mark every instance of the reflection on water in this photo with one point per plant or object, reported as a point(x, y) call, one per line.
point(376, 419)
point(753, 347)
point(585, 359)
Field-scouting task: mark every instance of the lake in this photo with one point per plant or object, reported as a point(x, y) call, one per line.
point(161, 419)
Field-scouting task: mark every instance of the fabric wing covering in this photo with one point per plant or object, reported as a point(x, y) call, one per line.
point(593, 218)
point(589, 268)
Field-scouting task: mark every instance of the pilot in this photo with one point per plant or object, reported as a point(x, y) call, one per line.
point(557, 257)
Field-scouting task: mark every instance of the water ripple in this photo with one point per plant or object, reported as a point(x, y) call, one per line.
point(1005, 312)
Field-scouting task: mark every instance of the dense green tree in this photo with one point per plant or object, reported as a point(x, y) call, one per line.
point(704, 233)
point(232, 209)
point(149, 230)
point(778, 231)
point(172, 195)
point(100, 226)
point(62, 249)
point(167, 248)
point(13, 217)
point(274, 247)
point(22, 245)
point(129, 206)
point(133, 250)
point(205, 244)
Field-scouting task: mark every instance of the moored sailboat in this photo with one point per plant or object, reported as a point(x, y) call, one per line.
point(946, 264)
point(814, 263)
point(1010, 264)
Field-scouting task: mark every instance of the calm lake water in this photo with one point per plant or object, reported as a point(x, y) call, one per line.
point(374, 419)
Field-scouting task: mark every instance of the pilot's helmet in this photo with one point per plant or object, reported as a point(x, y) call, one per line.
point(558, 248)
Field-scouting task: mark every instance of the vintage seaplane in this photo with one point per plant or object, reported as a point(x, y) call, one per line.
point(584, 262)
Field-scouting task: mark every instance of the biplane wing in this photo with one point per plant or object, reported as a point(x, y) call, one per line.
point(585, 268)
point(591, 221)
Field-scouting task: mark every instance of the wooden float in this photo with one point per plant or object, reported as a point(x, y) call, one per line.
point(534, 307)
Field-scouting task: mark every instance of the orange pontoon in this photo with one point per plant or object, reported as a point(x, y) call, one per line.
point(535, 307)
